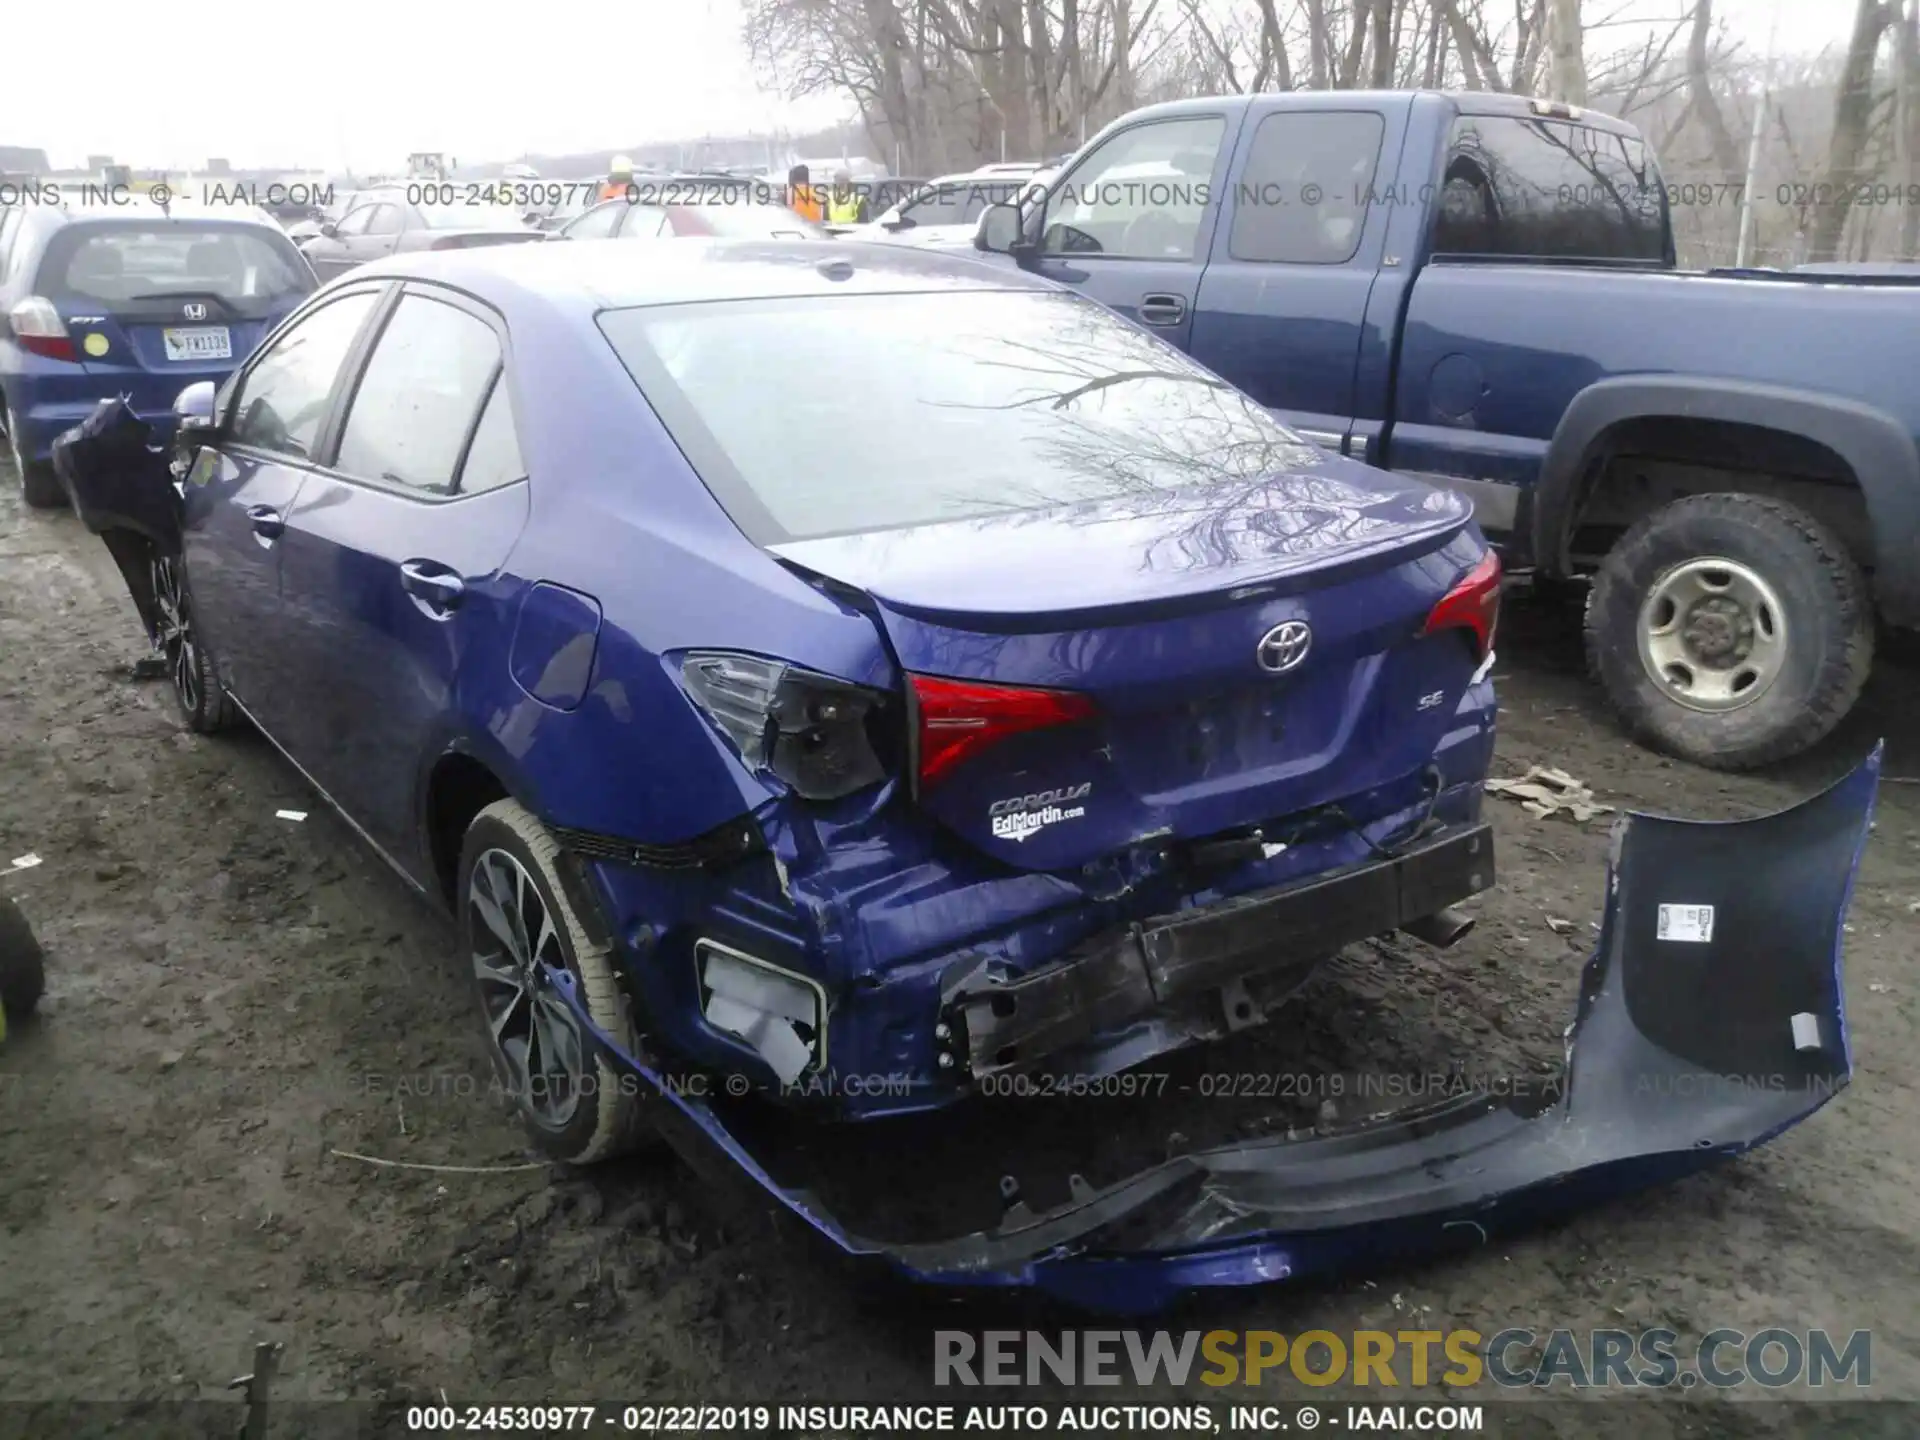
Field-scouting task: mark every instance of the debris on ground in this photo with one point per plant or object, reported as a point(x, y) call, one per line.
point(1544, 791)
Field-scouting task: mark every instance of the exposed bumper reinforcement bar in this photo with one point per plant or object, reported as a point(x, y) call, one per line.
point(1695, 1039)
point(997, 1027)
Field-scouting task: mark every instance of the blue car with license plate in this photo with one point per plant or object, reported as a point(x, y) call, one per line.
point(132, 301)
point(832, 691)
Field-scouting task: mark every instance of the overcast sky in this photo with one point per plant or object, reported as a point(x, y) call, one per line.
point(363, 82)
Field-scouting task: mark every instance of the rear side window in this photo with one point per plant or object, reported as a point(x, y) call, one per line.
point(959, 202)
point(250, 272)
point(1302, 197)
point(1549, 190)
point(419, 397)
point(644, 222)
point(493, 459)
point(283, 400)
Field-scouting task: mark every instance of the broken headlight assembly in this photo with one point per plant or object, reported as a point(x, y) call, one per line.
point(814, 733)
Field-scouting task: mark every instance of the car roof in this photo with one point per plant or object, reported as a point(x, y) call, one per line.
point(690, 270)
point(148, 215)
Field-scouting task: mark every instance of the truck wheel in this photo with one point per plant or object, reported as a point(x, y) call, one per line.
point(39, 485)
point(516, 919)
point(1730, 630)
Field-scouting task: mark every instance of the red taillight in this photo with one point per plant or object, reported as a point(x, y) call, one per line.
point(40, 330)
point(959, 718)
point(1472, 604)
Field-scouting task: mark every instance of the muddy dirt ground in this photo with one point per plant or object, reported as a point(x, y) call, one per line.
point(236, 999)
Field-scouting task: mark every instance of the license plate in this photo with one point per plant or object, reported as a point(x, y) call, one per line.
point(206, 342)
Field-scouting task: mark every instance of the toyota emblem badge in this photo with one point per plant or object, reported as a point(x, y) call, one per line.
point(1284, 647)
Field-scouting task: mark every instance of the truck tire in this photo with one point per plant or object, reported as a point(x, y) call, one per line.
point(1730, 630)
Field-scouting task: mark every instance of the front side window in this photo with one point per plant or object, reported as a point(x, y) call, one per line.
point(1542, 189)
point(417, 400)
point(385, 220)
point(1302, 197)
point(830, 415)
point(283, 399)
point(1143, 194)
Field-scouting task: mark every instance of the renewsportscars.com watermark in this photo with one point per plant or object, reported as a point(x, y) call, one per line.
point(1513, 1358)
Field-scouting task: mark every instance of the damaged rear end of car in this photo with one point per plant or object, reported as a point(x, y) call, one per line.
point(1162, 706)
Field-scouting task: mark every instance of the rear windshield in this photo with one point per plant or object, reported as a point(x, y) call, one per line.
point(831, 415)
point(758, 222)
point(470, 217)
point(248, 270)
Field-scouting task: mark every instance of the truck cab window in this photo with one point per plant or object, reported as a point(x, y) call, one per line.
point(1142, 195)
point(1549, 190)
point(1302, 197)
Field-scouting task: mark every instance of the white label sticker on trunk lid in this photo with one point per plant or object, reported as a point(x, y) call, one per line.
point(1689, 923)
point(1026, 815)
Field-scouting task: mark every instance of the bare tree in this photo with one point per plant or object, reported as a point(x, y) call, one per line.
point(1852, 111)
point(1567, 63)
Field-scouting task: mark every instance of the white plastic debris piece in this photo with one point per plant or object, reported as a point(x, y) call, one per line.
point(773, 1038)
point(1806, 1031)
point(1269, 850)
point(1559, 926)
point(1689, 924)
point(1545, 791)
point(1878, 988)
point(290, 814)
point(24, 862)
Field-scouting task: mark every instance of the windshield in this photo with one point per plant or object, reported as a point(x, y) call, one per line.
point(829, 415)
point(470, 217)
point(248, 269)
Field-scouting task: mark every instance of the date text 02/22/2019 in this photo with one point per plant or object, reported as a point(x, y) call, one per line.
point(1097, 1419)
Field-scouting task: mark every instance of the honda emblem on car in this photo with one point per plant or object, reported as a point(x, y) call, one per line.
point(1284, 646)
point(194, 311)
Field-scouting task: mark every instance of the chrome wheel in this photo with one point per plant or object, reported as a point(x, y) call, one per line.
point(176, 638)
point(1713, 634)
point(535, 1034)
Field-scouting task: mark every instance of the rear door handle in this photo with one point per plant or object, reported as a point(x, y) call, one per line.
point(1162, 309)
point(268, 523)
point(433, 584)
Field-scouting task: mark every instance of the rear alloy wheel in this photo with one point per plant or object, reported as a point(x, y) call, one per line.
point(196, 683)
point(39, 484)
point(1730, 630)
point(520, 928)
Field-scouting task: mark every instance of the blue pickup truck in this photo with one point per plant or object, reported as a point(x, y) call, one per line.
point(1481, 290)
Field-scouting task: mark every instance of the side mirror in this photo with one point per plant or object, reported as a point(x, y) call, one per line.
point(193, 406)
point(329, 229)
point(998, 230)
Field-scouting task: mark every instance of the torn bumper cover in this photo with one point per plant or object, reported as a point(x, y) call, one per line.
point(1710, 1019)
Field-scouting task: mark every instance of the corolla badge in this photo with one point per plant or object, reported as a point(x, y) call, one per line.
point(1026, 815)
point(1284, 646)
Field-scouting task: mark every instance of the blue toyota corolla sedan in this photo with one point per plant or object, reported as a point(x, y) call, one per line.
point(789, 665)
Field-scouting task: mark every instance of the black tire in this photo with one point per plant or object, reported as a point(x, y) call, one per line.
point(1827, 614)
point(23, 969)
point(39, 485)
point(608, 1115)
point(191, 668)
